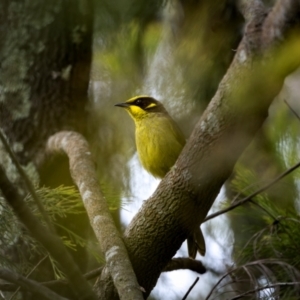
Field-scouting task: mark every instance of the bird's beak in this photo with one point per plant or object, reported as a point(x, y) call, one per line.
point(122, 104)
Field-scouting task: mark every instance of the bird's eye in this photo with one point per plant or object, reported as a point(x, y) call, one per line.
point(139, 102)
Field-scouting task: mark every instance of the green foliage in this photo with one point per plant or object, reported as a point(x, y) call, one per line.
point(266, 228)
point(270, 257)
point(59, 203)
point(58, 274)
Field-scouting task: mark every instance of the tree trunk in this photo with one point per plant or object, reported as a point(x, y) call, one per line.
point(45, 55)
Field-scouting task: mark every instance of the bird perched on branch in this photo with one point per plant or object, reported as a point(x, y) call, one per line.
point(159, 142)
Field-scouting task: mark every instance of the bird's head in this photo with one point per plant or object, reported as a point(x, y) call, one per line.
point(142, 106)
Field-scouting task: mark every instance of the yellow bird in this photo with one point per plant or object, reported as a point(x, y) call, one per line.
point(159, 142)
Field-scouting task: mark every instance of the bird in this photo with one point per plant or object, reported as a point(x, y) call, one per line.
point(159, 141)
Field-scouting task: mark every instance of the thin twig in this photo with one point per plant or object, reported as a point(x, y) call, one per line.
point(33, 269)
point(293, 111)
point(50, 241)
point(217, 283)
point(248, 198)
point(94, 273)
point(244, 267)
point(90, 275)
point(55, 283)
point(27, 182)
point(268, 286)
point(263, 209)
point(191, 287)
point(30, 285)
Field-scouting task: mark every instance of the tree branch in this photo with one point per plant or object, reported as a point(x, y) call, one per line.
point(291, 109)
point(27, 182)
point(248, 198)
point(84, 175)
point(54, 284)
point(251, 8)
point(50, 241)
point(267, 286)
point(31, 271)
point(244, 268)
point(30, 285)
point(191, 287)
point(284, 15)
point(185, 263)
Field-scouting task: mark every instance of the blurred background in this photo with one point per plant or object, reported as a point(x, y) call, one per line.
point(176, 51)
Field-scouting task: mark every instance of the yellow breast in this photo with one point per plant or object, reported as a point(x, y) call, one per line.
point(159, 142)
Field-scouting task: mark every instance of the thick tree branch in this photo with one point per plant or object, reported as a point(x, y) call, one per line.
point(30, 285)
point(50, 241)
point(251, 8)
point(185, 263)
point(284, 15)
point(84, 175)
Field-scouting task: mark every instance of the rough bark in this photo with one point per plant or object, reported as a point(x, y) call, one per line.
point(228, 125)
point(45, 60)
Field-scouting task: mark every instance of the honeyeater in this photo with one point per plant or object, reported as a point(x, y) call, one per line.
point(159, 142)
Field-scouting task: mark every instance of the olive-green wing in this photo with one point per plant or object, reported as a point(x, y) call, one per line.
point(177, 131)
